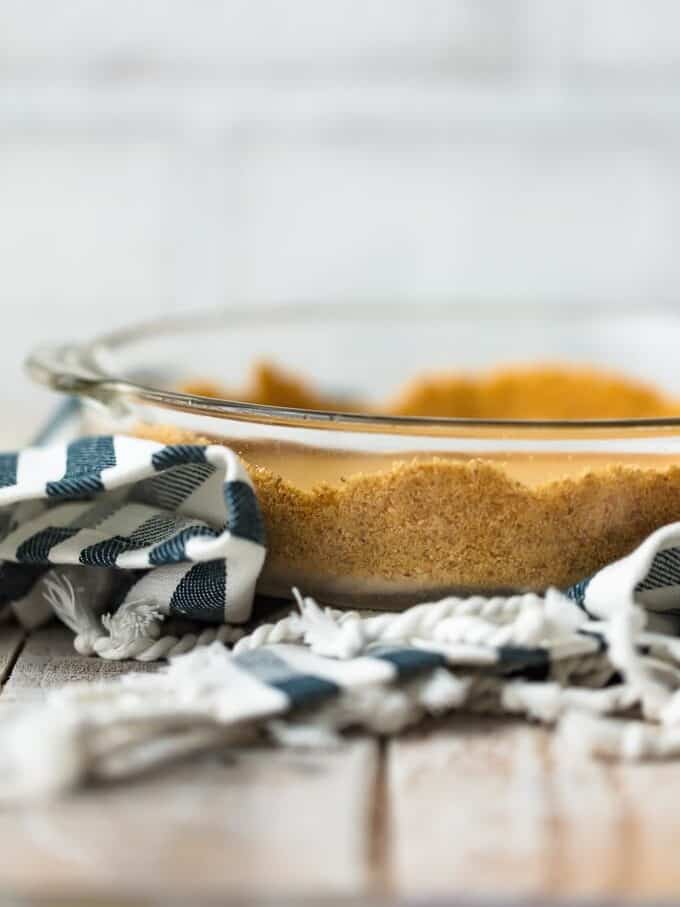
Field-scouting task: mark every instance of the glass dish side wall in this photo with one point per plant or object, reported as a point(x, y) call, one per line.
point(387, 518)
point(372, 512)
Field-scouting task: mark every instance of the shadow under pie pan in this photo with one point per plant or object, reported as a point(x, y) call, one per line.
point(381, 509)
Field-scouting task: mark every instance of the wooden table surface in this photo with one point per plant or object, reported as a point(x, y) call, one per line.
point(464, 808)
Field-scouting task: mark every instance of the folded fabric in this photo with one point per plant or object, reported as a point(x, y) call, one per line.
point(317, 671)
point(131, 527)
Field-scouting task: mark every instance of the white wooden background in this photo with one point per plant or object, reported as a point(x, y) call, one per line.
point(166, 154)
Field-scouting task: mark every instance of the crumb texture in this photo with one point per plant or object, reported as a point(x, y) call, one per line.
point(514, 392)
point(457, 524)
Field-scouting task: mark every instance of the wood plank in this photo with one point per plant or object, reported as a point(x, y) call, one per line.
point(484, 808)
point(590, 831)
point(49, 660)
point(11, 640)
point(615, 828)
point(469, 810)
point(255, 822)
point(650, 797)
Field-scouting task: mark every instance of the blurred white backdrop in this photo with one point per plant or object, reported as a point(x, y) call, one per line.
point(165, 155)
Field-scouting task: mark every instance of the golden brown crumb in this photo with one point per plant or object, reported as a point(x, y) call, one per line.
point(272, 386)
point(440, 524)
point(517, 392)
point(432, 523)
point(534, 392)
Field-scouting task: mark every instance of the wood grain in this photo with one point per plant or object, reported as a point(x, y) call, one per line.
point(468, 810)
point(478, 807)
point(256, 822)
point(464, 808)
point(616, 827)
point(650, 800)
point(590, 829)
point(11, 641)
point(48, 659)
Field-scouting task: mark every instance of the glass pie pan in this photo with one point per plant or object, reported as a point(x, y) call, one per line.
point(381, 511)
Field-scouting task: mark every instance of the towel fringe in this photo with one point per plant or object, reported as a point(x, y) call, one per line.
point(131, 632)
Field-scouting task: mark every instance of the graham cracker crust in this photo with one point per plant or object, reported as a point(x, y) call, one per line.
point(395, 529)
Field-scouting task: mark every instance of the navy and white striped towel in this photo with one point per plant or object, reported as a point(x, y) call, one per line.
point(145, 529)
point(148, 531)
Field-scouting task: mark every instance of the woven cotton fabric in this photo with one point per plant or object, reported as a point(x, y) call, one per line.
point(121, 537)
point(177, 528)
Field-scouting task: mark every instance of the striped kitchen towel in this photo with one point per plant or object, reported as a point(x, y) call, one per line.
point(612, 686)
point(150, 533)
point(132, 527)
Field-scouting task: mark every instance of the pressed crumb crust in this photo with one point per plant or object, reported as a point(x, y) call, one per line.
point(464, 525)
point(513, 392)
point(438, 523)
